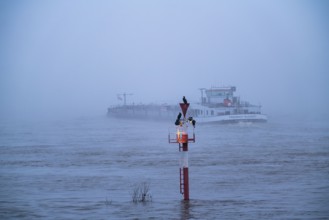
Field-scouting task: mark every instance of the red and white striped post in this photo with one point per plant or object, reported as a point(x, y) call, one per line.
point(183, 170)
point(183, 140)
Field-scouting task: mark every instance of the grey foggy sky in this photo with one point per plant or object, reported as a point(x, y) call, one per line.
point(73, 57)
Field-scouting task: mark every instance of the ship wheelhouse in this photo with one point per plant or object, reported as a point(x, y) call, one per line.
point(221, 96)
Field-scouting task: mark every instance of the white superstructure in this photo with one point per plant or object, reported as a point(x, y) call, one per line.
point(220, 105)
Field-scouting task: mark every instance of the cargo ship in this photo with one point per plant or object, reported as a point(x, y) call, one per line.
point(217, 104)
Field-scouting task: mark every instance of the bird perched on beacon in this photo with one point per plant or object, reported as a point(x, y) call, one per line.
point(184, 100)
point(177, 122)
point(179, 116)
point(193, 123)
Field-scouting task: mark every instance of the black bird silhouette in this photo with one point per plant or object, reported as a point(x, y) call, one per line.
point(184, 100)
point(193, 123)
point(177, 122)
point(179, 116)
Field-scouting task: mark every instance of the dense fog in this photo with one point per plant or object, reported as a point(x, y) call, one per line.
point(73, 58)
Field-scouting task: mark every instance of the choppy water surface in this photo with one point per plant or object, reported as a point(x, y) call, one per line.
point(86, 169)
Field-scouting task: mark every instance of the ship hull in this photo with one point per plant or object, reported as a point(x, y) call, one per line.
point(153, 112)
point(232, 118)
point(170, 113)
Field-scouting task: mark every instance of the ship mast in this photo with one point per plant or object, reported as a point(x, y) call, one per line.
point(201, 90)
point(125, 97)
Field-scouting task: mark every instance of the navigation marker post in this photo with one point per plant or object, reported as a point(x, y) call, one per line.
point(182, 139)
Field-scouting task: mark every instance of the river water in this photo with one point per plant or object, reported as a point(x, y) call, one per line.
point(87, 168)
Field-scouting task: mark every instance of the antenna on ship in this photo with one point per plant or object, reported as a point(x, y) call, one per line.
point(124, 97)
point(202, 99)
